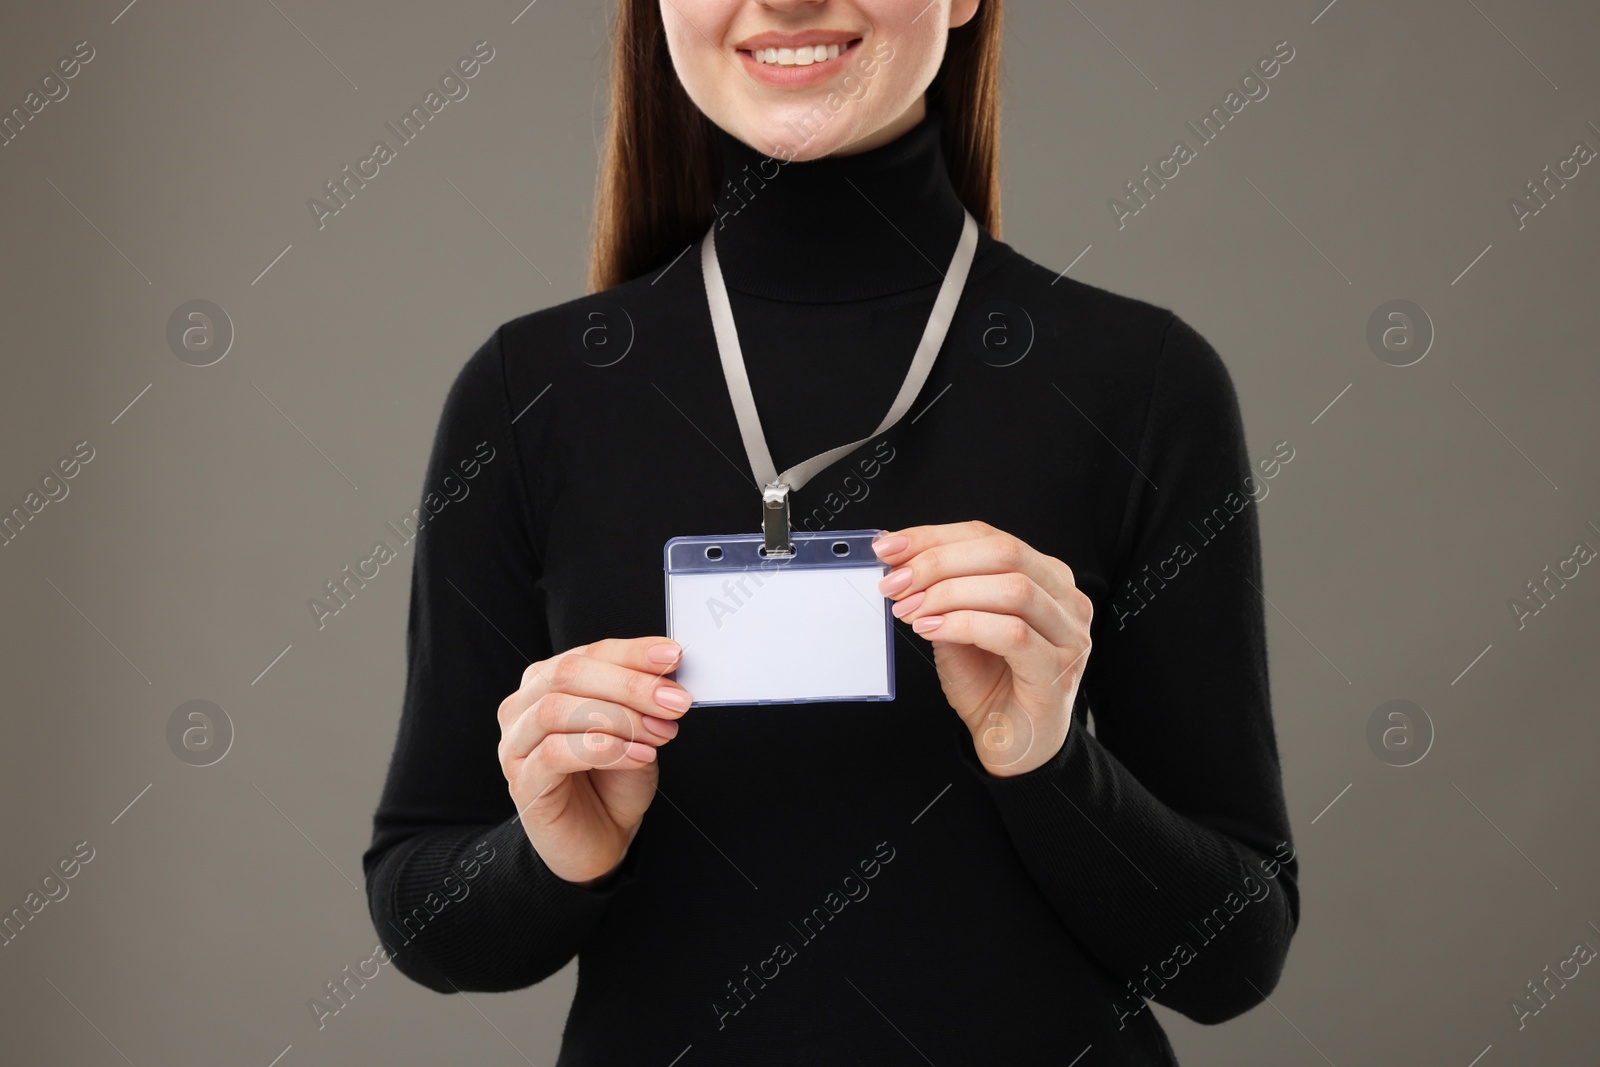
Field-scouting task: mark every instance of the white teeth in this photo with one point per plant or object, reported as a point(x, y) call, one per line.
point(796, 57)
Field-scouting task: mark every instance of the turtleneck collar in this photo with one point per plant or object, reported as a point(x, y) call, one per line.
point(839, 228)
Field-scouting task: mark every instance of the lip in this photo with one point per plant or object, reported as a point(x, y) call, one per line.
point(795, 38)
point(777, 77)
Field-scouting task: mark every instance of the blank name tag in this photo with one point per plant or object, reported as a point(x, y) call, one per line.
point(759, 630)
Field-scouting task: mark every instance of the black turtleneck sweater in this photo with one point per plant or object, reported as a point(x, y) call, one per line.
point(844, 882)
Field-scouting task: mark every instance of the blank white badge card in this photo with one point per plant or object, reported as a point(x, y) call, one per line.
point(780, 630)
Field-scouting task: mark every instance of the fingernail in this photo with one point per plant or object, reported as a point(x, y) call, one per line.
point(661, 727)
point(672, 699)
point(640, 752)
point(926, 623)
point(888, 546)
point(894, 581)
point(909, 604)
point(662, 652)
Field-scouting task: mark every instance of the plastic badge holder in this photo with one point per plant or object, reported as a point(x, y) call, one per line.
point(780, 630)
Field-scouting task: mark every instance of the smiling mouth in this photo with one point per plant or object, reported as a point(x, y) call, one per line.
point(802, 56)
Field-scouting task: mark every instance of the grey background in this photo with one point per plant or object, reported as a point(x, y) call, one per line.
point(179, 566)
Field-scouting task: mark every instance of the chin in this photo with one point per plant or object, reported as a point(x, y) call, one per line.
point(792, 133)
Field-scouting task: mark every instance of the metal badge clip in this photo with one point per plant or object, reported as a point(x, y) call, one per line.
point(775, 519)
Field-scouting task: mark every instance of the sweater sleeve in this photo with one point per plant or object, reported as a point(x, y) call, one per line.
point(459, 897)
point(1162, 840)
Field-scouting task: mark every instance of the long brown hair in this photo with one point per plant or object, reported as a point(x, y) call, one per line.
point(658, 179)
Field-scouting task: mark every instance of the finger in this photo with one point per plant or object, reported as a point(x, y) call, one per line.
point(539, 672)
point(644, 691)
point(658, 655)
point(562, 754)
point(1031, 658)
point(564, 713)
point(557, 673)
point(638, 653)
point(992, 553)
point(896, 546)
point(1012, 593)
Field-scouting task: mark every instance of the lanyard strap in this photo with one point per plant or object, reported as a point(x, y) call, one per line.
point(776, 486)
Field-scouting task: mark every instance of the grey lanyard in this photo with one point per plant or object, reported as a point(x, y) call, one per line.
point(776, 486)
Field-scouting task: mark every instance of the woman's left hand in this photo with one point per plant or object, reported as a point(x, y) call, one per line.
point(1010, 634)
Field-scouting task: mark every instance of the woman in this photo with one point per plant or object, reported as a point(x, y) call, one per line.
point(1074, 456)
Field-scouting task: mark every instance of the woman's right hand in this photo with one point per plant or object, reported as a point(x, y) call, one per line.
point(578, 746)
